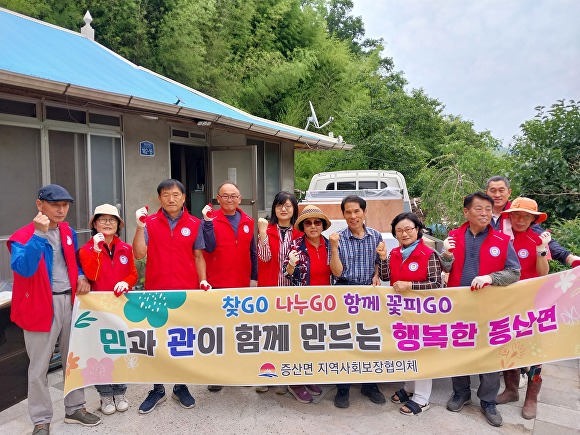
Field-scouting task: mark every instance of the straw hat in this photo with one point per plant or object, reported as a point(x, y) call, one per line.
point(311, 211)
point(106, 209)
point(529, 206)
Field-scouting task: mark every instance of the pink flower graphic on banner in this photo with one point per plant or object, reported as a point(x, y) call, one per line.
point(98, 372)
point(563, 290)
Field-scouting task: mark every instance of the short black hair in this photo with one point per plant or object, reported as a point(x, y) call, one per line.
point(281, 198)
point(481, 195)
point(413, 218)
point(353, 198)
point(168, 184)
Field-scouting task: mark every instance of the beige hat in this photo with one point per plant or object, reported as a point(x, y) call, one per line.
point(311, 211)
point(529, 206)
point(106, 209)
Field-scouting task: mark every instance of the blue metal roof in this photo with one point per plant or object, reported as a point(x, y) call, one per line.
point(32, 48)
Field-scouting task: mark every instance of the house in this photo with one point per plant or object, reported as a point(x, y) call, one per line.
point(75, 113)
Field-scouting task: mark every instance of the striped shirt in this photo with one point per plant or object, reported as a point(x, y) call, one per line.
point(358, 256)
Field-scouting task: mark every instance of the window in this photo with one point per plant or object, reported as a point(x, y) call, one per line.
point(367, 184)
point(268, 172)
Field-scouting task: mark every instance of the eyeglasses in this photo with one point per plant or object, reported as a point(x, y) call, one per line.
point(407, 230)
point(107, 220)
point(229, 197)
point(316, 222)
point(284, 206)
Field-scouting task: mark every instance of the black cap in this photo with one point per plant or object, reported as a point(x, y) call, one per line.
point(54, 192)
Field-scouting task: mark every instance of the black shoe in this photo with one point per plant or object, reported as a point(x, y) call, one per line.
point(456, 403)
point(153, 399)
point(491, 415)
point(214, 388)
point(341, 398)
point(373, 393)
point(183, 396)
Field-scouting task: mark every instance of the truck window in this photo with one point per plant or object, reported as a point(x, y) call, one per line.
point(330, 186)
point(384, 185)
point(346, 185)
point(367, 184)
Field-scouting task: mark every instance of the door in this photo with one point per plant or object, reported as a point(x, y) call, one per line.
point(188, 165)
point(238, 165)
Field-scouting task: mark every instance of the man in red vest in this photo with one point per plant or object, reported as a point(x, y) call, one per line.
point(476, 255)
point(46, 279)
point(173, 241)
point(234, 261)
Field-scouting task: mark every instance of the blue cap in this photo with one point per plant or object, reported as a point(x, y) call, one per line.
point(54, 192)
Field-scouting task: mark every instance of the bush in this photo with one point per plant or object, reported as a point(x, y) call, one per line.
point(567, 233)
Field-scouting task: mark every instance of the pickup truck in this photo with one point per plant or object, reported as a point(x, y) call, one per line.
point(384, 191)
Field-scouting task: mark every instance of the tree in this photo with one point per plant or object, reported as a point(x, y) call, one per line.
point(547, 159)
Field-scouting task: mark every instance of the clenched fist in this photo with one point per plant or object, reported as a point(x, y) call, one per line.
point(140, 216)
point(382, 251)
point(41, 222)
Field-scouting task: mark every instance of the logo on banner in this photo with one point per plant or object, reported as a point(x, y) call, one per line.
point(494, 251)
point(523, 253)
point(185, 232)
point(413, 266)
point(268, 370)
point(123, 259)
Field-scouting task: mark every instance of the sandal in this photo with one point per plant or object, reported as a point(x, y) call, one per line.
point(401, 396)
point(413, 408)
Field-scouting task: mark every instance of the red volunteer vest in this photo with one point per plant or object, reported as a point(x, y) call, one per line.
point(31, 307)
point(492, 255)
point(525, 245)
point(170, 258)
point(230, 265)
point(268, 271)
point(414, 268)
point(111, 270)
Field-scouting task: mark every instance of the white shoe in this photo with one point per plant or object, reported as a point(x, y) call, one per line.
point(107, 405)
point(523, 381)
point(121, 403)
point(281, 389)
point(261, 388)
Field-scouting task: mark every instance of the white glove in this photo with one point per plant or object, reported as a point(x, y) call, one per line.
point(120, 288)
point(204, 285)
point(480, 282)
point(448, 246)
point(262, 227)
point(545, 237)
point(207, 213)
point(573, 260)
point(98, 241)
point(140, 216)
point(293, 258)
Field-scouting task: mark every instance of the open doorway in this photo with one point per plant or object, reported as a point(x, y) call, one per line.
point(188, 165)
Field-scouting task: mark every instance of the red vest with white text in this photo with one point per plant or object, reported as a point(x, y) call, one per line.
point(414, 268)
point(525, 245)
point(112, 270)
point(268, 271)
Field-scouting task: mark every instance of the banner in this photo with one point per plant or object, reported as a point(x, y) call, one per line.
point(308, 335)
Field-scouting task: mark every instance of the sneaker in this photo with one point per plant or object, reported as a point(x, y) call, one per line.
point(121, 403)
point(183, 396)
point(373, 393)
point(456, 403)
point(281, 389)
point(41, 429)
point(301, 394)
point(153, 398)
point(82, 416)
point(214, 388)
point(315, 390)
point(341, 398)
point(491, 415)
point(107, 405)
point(261, 388)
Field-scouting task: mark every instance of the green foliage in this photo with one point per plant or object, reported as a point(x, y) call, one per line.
point(547, 159)
point(567, 233)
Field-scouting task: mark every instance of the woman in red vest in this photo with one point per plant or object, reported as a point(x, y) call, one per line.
point(410, 266)
point(274, 239)
point(108, 264)
point(532, 250)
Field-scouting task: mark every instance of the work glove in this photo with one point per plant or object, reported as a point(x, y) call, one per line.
point(545, 238)
point(207, 213)
point(141, 215)
point(204, 285)
point(293, 258)
point(120, 288)
point(448, 246)
point(480, 282)
point(98, 242)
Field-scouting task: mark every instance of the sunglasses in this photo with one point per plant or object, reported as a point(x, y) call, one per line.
point(315, 222)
